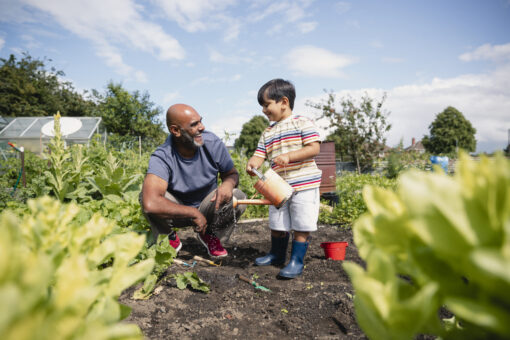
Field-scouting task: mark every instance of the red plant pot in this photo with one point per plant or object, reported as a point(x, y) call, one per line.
point(334, 250)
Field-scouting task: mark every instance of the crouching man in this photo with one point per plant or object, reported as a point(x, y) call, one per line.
point(180, 188)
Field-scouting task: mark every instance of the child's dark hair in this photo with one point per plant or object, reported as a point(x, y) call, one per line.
point(276, 89)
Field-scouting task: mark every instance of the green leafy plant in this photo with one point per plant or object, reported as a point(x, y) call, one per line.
point(54, 283)
point(436, 241)
point(163, 254)
point(112, 179)
point(191, 279)
point(246, 183)
point(358, 127)
point(351, 205)
point(68, 168)
point(399, 160)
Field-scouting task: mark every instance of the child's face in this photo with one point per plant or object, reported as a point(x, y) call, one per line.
point(275, 111)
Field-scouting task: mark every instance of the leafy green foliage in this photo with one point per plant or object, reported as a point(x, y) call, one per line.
point(130, 114)
point(436, 241)
point(163, 254)
point(29, 89)
point(358, 128)
point(68, 168)
point(113, 179)
point(250, 134)
point(399, 160)
point(53, 284)
point(449, 131)
point(246, 183)
point(192, 279)
point(351, 205)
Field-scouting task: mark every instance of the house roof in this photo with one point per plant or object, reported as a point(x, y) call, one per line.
point(418, 146)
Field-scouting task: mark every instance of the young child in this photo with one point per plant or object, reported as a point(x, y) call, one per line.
point(289, 144)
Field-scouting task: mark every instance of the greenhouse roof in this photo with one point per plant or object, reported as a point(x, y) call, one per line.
point(32, 127)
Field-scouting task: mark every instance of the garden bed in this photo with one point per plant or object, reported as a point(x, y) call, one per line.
point(316, 305)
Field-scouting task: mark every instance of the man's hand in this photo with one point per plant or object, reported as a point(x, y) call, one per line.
point(200, 222)
point(223, 194)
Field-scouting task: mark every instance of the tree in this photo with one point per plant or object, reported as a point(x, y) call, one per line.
point(449, 132)
point(131, 114)
point(358, 130)
point(27, 88)
point(250, 134)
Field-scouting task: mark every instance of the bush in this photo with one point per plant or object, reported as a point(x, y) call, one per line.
point(53, 284)
point(350, 200)
point(246, 183)
point(436, 241)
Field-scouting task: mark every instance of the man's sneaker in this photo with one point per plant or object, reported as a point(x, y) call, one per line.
point(213, 245)
point(174, 241)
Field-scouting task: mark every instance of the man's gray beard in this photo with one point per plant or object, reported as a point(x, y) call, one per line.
point(188, 140)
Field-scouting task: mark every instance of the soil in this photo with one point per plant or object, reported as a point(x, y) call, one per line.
point(316, 305)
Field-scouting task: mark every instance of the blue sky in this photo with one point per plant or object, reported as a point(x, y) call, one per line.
point(215, 54)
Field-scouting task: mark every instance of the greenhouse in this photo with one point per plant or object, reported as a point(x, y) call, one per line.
point(34, 133)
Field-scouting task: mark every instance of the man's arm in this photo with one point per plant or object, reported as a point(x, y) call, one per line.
point(229, 180)
point(155, 203)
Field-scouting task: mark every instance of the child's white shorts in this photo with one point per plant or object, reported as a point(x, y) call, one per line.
point(300, 213)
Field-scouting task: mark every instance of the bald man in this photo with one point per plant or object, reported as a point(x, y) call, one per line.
point(181, 189)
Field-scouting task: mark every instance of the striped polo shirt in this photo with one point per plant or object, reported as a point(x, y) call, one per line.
point(291, 134)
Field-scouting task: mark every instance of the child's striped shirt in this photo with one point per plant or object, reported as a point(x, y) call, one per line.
point(291, 134)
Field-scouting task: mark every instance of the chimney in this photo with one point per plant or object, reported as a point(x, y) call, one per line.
point(413, 141)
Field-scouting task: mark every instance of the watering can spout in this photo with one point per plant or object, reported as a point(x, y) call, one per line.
point(236, 201)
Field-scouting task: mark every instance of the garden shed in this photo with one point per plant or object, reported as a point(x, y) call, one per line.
point(34, 133)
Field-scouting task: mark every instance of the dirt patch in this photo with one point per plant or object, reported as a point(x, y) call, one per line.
point(316, 305)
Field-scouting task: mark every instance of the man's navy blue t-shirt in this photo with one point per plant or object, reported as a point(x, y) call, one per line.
point(191, 179)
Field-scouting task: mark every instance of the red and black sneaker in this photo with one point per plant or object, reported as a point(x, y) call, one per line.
point(212, 244)
point(175, 241)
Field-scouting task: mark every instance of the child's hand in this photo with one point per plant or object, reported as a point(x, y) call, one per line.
point(253, 163)
point(282, 160)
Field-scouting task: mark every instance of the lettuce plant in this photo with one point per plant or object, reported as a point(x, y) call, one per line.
point(436, 245)
point(54, 281)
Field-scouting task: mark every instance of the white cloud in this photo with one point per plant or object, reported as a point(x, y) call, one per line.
point(377, 44)
point(110, 24)
point(353, 24)
point(484, 99)
point(197, 15)
point(307, 27)
point(286, 12)
point(213, 80)
point(14, 11)
point(488, 52)
point(30, 41)
point(202, 15)
point(233, 30)
point(112, 21)
point(2, 43)
point(392, 60)
point(114, 60)
point(273, 8)
point(317, 62)
point(295, 12)
point(276, 29)
point(170, 97)
point(342, 7)
point(217, 57)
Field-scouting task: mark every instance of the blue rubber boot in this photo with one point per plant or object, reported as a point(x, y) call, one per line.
point(295, 266)
point(277, 254)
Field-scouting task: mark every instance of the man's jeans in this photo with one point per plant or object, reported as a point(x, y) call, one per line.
point(220, 222)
